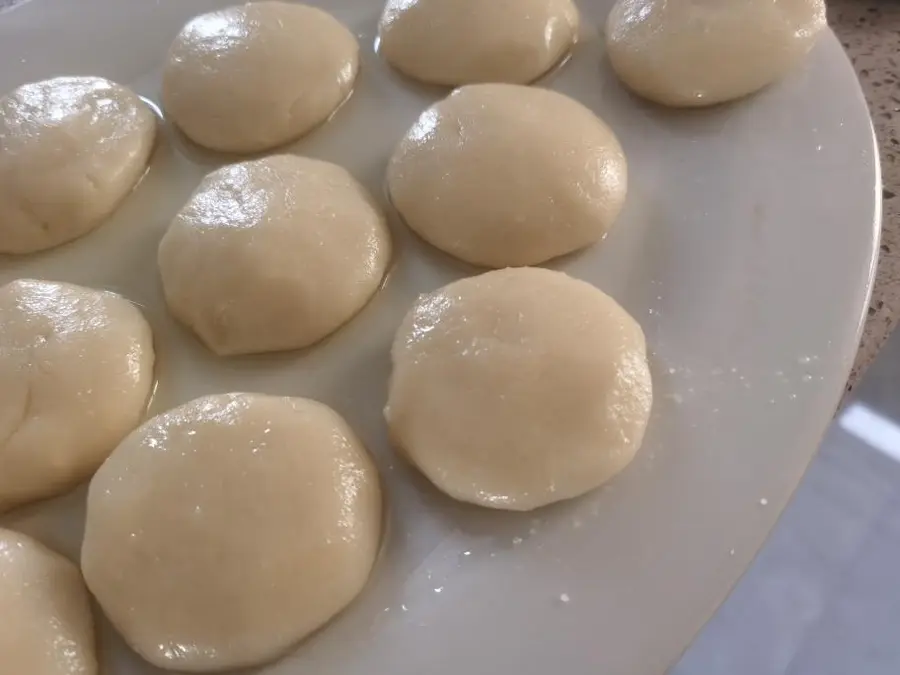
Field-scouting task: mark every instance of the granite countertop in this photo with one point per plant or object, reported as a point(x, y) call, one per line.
point(870, 32)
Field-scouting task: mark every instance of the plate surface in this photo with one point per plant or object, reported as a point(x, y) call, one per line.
point(746, 250)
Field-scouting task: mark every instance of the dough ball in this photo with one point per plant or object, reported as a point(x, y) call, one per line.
point(501, 174)
point(71, 149)
point(255, 76)
point(702, 52)
point(453, 42)
point(518, 388)
point(47, 628)
point(76, 374)
point(273, 254)
point(222, 532)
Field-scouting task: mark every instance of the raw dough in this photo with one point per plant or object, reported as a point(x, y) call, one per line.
point(255, 76)
point(273, 254)
point(455, 42)
point(76, 373)
point(47, 628)
point(702, 52)
point(501, 174)
point(222, 532)
point(71, 149)
point(518, 388)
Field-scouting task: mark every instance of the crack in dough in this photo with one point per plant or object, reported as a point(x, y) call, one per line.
point(83, 360)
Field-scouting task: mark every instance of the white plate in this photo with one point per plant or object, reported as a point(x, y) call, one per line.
point(746, 251)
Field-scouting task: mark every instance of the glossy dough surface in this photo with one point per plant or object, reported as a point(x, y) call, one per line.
point(222, 532)
point(702, 52)
point(76, 373)
point(273, 254)
point(71, 148)
point(500, 175)
point(255, 76)
point(518, 388)
point(453, 42)
point(47, 628)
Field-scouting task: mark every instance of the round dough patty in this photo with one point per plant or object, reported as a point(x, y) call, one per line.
point(47, 627)
point(76, 373)
point(273, 254)
point(703, 52)
point(501, 175)
point(453, 42)
point(518, 388)
point(222, 532)
point(71, 148)
point(255, 76)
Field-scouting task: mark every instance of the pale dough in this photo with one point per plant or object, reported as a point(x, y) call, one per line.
point(222, 532)
point(47, 627)
point(71, 148)
point(76, 373)
point(453, 42)
point(255, 76)
point(273, 254)
point(518, 388)
point(703, 52)
point(502, 174)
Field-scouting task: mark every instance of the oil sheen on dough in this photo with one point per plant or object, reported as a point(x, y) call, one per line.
point(76, 374)
point(47, 627)
point(500, 175)
point(222, 532)
point(703, 52)
point(273, 254)
point(255, 76)
point(454, 42)
point(71, 148)
point(518, 388)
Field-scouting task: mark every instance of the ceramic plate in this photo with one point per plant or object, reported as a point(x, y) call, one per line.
point(746, 251)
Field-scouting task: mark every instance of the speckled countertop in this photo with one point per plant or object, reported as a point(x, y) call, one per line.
point(870, 32)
